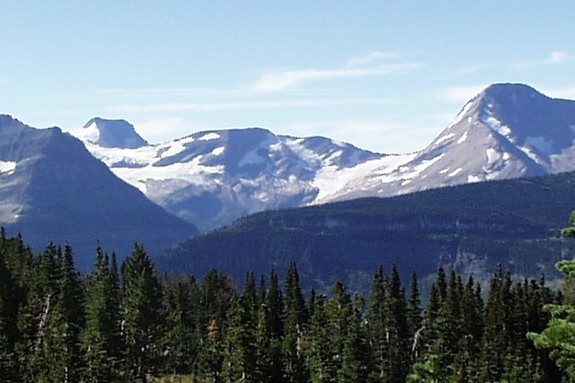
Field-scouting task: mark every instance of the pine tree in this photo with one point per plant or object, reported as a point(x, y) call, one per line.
point(355, 366)
point(397, 336)
point(240, 353)
point(65, 324)
point(376, 325)
point(141, 304)
point(101, 337)
point(320, 350)
point(295, 322)
point(35, 315)
point(414, 319)
point(179, 335)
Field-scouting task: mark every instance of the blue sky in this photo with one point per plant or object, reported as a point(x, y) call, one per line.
point(384, 75)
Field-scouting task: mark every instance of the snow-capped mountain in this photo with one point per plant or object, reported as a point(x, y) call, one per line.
point(53, 189)
point(214, 177)
point(211, 178)
point(506, 131)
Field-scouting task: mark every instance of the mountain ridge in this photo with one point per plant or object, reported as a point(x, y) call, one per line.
point(55, 190)
point(213, 177)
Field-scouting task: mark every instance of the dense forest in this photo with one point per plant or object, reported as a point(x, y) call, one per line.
point(126, 323)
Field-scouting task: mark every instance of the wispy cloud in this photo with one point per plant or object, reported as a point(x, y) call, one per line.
point(371, 58)
point(556, 57)
point(461, 93)
point(240, 105)
point(369, 65)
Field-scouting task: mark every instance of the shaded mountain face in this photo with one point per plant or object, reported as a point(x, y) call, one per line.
point(212, 178)
point(53, 189)
point(470, 228)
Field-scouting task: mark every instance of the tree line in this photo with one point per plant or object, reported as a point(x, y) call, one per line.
point(127, 323)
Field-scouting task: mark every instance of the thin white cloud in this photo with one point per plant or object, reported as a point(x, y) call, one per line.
point(371, 58)
point(266, 104)
point(290, 79)
point(461, 94)
point(556, 57)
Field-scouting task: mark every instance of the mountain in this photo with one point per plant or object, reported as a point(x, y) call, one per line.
point(471, 228)
point(213, 177)
point(53, 189)
point(111, 134)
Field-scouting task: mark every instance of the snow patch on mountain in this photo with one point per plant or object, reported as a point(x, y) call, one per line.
point(7, 167)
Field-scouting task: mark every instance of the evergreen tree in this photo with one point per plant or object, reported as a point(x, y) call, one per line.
point(8, 313)
point(376, 325)
point(179, 336)
point(295, 322)
point(414, 319)
point(320, 347)
point(141, 303)
point(355, 366)
point(397, 337)
point(35, 315)
point(65, 325)
point(101, 337)
point(240, 353)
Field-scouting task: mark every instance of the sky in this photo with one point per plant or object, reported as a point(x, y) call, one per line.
point(386, 76)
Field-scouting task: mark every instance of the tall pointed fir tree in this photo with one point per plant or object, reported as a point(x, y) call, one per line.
point(355, 365)
point(376, 325)
point(397, 337)
point(320, 348)
point(141, 304)
point(101, 338)
point(66, 323)
point(295, 322)
point(240, 353)
point(35, 315)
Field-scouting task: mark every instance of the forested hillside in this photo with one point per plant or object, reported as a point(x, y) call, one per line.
point(129, 324)
point(471, 228)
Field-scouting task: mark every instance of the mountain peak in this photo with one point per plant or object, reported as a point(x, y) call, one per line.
point(111, 134)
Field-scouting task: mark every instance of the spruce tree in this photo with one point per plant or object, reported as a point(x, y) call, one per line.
point(141, 304)
point(65, 325)
point(295, 322)
point(320, 347)
point(376, 325)
point(101, 338)
point(355, 366)
point(240, 353)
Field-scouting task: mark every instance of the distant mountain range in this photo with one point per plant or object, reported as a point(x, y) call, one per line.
point(53, 189)
point(212, 178)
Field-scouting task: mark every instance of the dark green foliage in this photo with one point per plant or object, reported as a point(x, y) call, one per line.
point(101, 338)
point(56, 326)
point(141, 305)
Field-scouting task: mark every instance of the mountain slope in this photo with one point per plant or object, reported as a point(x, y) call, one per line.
point(214, 177)
point(211, 178)
point(506, 131)
point(472, 228)
point(52, 189)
